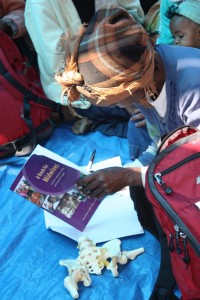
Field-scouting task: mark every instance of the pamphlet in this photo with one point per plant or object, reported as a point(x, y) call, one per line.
point(48, 181)
point(101, 220)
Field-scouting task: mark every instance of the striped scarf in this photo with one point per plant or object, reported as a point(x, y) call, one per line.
point(109, 59)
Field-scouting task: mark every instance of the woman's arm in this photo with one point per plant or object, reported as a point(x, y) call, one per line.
point(47, 22)
point(109, 181)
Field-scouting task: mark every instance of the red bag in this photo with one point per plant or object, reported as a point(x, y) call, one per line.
point(173, 188)
point(25, 114)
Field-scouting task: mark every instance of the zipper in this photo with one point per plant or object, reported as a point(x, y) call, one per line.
point(186, 257)
point(158, 176)
point(177, 237)
point(178, 242)
point(177, 221)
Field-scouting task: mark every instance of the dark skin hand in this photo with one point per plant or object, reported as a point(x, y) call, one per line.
point(138, 115)
point(108, 181)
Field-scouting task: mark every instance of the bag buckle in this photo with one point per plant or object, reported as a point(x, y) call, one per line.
point(20, 143)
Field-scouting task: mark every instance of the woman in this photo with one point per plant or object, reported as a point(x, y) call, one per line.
point(124, 69)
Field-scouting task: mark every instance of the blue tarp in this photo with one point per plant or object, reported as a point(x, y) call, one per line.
point(30, 254)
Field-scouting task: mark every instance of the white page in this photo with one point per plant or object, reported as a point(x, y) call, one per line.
point(114, 218)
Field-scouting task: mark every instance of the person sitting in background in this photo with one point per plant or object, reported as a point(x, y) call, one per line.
point(124, 67)
point(165, 35)
point(54, 19)
point(185, 23)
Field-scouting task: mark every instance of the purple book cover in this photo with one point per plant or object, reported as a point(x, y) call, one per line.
point(51, 185)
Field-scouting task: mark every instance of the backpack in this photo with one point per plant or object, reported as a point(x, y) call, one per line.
point(173, 188)
point(25, 112)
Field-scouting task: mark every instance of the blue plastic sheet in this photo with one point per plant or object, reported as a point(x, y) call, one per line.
point(30, 254)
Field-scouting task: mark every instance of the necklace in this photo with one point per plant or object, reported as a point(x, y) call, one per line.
point(150, 95)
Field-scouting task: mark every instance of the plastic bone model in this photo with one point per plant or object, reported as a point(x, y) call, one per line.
point(76, 273)
point(93, 259)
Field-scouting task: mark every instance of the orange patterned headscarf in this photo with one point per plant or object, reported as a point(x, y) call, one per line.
point(109, 59)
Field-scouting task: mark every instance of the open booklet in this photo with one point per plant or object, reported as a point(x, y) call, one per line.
point(112, 217)
point(115, 217)
point(49, 181)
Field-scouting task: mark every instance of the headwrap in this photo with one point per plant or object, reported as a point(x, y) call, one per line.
point(189, 9)
point(115, 57)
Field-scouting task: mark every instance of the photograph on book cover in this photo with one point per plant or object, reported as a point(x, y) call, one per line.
point(51, 185)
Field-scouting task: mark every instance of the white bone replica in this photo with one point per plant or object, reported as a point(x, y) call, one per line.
point(93, 259)
point(76, 273)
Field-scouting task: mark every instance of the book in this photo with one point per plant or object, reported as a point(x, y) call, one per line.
point(114, 218)
point(49, 181)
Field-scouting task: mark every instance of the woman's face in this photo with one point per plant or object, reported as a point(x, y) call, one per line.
point(117, 100)
point(128, 103)
point(185, 32)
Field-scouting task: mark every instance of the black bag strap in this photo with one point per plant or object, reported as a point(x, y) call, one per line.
point(35, 134)
point(25, 91)
point(165, 282)
point(19, 144)
point(29, 123)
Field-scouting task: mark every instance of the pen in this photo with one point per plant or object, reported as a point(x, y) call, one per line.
point(89, 166)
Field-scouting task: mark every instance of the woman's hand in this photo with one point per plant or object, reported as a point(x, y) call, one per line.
point(103, 182)
point(138, 115)
point(108, 181)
